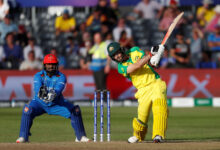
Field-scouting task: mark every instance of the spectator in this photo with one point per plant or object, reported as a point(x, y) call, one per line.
point(147, 9)
point(72, 47)
point(4, 9)
point(166, 61)
point(33, 47)
point(180, 51)
point(2, 57)
point(206, 61)
point(100, 64)
point(31, 63)
point(65, 23)
point(216, 20)
point(72, 52)
point(205, 13)
point(169, 14)
point(61, 59)
point(13, 52)
point(108, 38)
point(22, 37)
point(94, 21)
point(124, 41)
point(85, 57)
point(196, 45)
point(7, 26)
point(214, 39)
point(79, 33)
point(107, 12)
point(114, 7)
point(86, 37)
point(104, 29)
point(121, 27)
point(167, 19)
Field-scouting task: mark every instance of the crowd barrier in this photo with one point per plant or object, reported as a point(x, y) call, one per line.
point(194, 83)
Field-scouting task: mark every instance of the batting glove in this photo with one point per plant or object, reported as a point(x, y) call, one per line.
point(158, 53)
point(159, 49)
point(155, 60)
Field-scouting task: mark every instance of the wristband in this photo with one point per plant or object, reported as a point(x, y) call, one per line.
point(150, 54)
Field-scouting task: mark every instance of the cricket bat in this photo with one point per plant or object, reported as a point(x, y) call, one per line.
point(171, 28)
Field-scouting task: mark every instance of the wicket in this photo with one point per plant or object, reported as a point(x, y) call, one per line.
point(102, 94)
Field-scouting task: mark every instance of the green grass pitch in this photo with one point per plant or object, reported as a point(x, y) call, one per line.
point(200, 123)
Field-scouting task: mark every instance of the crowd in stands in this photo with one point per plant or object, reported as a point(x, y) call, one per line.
point(195, 43)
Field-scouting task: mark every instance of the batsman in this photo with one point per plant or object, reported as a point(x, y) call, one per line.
point(48, 87)
point(151, 90)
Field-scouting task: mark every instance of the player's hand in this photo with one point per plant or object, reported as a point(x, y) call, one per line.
point(50, 96)
point(159, 49)
point(42, 94)
point(155, 60)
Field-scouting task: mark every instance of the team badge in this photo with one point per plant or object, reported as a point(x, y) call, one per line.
point(111, 48)
point(137, 57)
point(26, 109)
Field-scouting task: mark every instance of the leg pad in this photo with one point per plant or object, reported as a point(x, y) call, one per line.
point(160, 114)
point(77, 122)
point(140, 129)
point(26, 122)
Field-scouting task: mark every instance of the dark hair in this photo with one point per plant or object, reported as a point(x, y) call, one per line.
point(9, 33)
point(32, 51)
point(31, 39)
point(70, 38)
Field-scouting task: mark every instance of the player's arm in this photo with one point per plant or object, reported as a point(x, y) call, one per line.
point(60, 85)
point(37, 83)
point(39, 89)
point(140, 63)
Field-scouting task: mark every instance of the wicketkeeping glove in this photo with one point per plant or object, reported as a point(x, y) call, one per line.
point(42, 94)
point(50, 96)
point(157, 51)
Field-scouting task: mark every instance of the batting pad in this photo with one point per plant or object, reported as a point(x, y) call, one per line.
point(77, 122)
point(140, 129)
point(26, 122)
point(160, 114)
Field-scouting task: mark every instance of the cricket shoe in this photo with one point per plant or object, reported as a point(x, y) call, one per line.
point(158, 139)
point(83, 139)
point(133, 139)
point(21, 140)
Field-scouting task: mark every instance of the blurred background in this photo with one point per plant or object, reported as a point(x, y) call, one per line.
point(69, 28)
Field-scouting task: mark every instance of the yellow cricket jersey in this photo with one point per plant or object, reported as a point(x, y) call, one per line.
point(141, 77)
point(209, 14)
point(64, 25)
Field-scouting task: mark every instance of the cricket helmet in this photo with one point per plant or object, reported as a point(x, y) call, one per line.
point(114, 48)
point(50, 59)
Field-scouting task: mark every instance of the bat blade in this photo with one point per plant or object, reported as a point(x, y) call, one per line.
point(171, 28)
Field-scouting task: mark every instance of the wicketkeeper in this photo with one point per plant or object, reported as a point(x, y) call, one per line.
point(48, 87)
point(137, 67)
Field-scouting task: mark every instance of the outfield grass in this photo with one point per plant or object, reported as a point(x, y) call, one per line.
point(201, 123)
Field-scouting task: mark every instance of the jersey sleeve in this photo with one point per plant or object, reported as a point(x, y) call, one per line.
point(57, 22)
point(37, 83)
point(72, 22)
point(122, 69)
point(60, 84)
